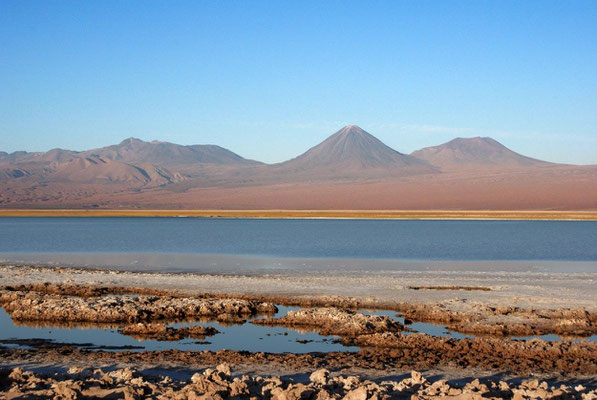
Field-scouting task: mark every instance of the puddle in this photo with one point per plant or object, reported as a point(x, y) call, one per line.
point(242, 337)
point(555, 338)
point(247, 337)
point(419, 327)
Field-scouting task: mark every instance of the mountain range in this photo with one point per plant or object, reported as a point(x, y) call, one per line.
point(351, 169)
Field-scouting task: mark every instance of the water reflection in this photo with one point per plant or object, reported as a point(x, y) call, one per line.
point(241, 336)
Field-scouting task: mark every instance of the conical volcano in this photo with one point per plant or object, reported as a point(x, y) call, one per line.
point(353, 152)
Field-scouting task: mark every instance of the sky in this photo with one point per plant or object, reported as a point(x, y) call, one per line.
point(269, 79)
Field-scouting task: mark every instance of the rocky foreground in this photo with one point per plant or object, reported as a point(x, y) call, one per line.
point(381, 338)
point(386, 350)
point(220, 383)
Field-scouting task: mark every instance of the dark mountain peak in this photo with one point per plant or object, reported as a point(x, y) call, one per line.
point(352, 132)
point(475, 151)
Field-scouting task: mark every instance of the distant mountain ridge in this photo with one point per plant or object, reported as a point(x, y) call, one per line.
point(134, 150)
point(350, 147)
point(349, 169)
point(351, 153)
point(133, 161)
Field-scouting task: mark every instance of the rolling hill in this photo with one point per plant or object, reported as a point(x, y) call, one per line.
point(474, 152)
point(134, 151)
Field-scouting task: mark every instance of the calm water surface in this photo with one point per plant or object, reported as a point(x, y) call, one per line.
point(173, 244)
point(245, 337)
point(354, 239)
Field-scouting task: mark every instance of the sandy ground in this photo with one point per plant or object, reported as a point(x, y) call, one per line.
point(560, 188)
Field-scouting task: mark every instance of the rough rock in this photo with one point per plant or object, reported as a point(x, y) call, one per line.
point(334, 321)
point(218, 384)
point(320, 376)
point(48, 307)
point(166, 333)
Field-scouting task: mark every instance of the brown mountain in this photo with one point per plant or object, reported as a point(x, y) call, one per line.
point(49, 156)
point(136, 151)
point(87, 170)
point(351, 153)
point(349, 170)
point(133, 161)
point(474, 152)
point(103, 170)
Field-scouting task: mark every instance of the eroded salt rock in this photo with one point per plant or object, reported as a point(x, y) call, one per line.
point(166, 333)
point(334, 321)
point(216, 383)
point(320, 376)
point(47, 307)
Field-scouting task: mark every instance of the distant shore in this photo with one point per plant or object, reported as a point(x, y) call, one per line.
point(311, 214)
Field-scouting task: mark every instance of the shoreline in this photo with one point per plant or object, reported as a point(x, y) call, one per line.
point(147, 304)
point(526, 289)
point(560, 305)
point(480, 215)
point(381, 339)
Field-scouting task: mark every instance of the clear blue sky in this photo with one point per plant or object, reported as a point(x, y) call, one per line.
point(269, 79)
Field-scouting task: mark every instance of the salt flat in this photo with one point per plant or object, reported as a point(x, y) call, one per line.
point(515, 287)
